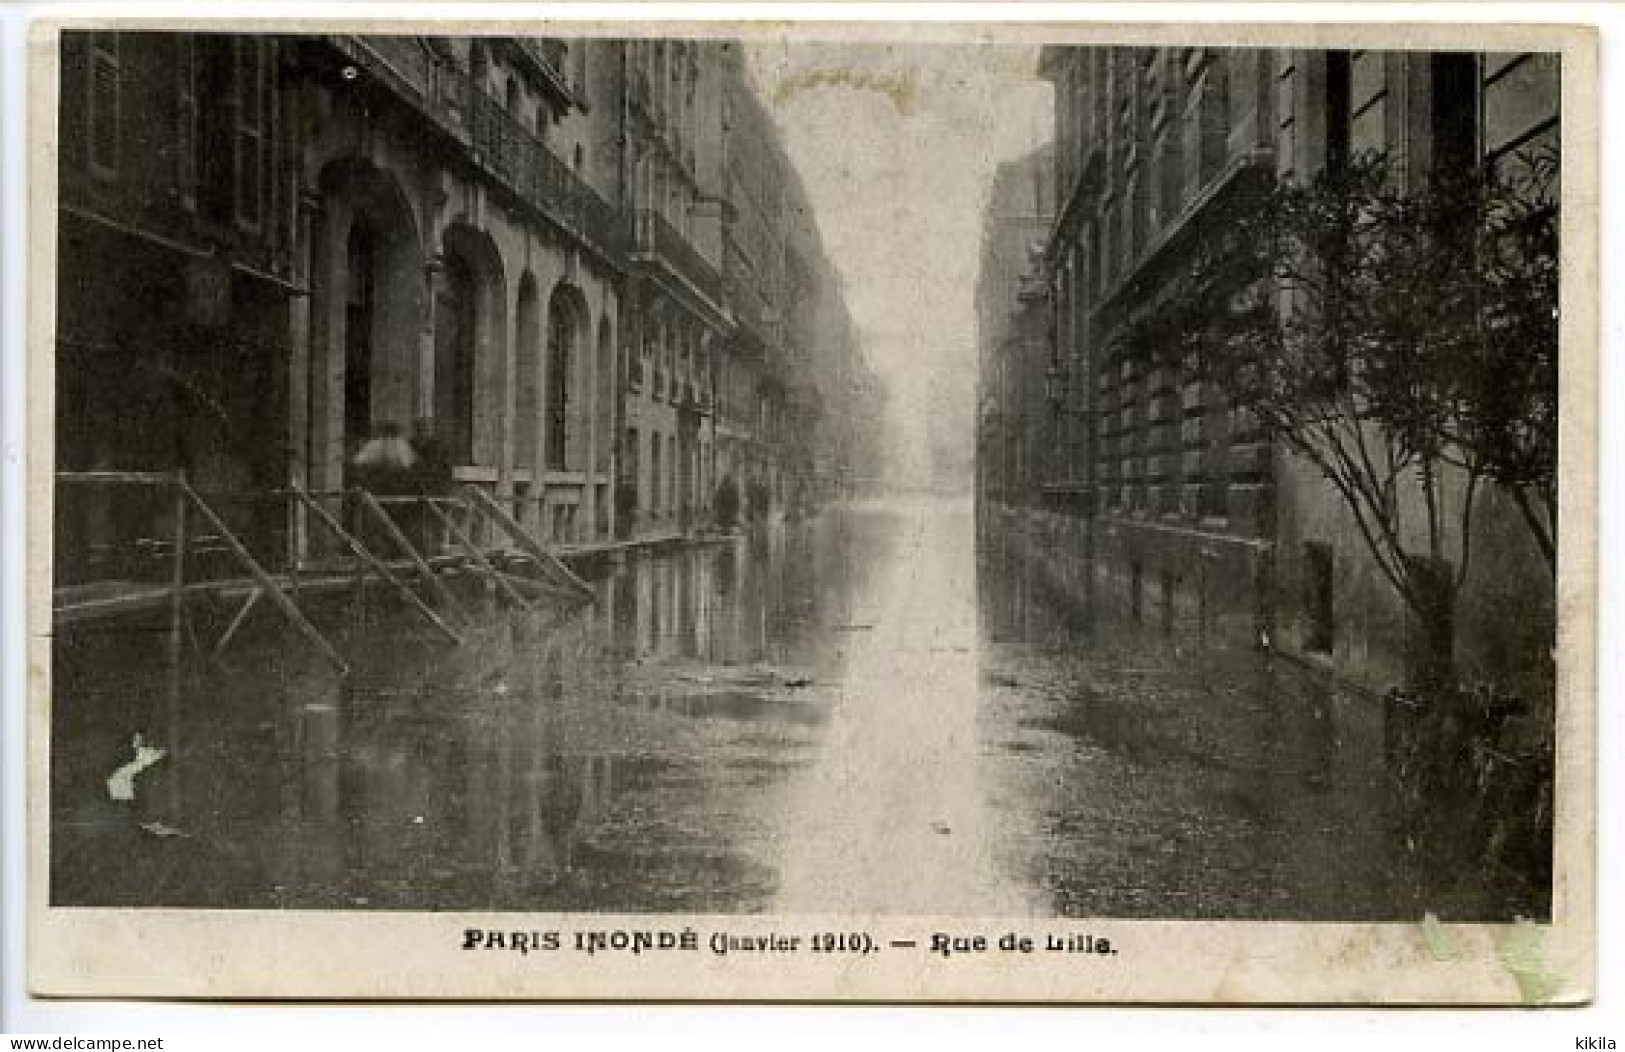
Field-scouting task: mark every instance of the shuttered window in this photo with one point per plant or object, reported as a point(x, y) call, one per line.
point(249, 138)
point(103, 109)
point(186, 118)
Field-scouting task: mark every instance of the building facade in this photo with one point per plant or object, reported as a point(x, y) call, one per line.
point(803, 407)
point(271, 246)
point(1015, 342)
point(674, 131)
point(1194, 517)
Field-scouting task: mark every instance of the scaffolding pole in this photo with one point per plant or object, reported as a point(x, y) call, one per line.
point(549, 563)
point(370, 502)
point(478, 556)
point(264, 579)
point(378, 566)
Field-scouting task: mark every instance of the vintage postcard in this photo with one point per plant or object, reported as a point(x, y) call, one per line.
point(813, 511)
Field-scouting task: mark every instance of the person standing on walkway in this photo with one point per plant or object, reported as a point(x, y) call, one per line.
point(385, 461)
point(383, 467)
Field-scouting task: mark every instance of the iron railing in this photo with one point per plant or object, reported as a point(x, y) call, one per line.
point(504, 147)
point(653, 236)
point(549, 53)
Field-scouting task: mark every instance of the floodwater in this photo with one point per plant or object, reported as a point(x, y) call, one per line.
point(863, 713)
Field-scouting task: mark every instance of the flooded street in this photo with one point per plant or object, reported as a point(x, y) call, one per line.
point(860, 714)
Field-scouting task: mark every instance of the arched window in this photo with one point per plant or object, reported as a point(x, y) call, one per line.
point(359, 301)
point(456, 333)
point(527, 400)
point(560, 363)
point(605, 397)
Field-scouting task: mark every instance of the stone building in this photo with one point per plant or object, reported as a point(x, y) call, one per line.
point(1015, 346)
point(178, 266)
point(800, 410)
point(753, 394)
point(271, 246)
point(674, 134)
point(1194, 517)
point(464, 262)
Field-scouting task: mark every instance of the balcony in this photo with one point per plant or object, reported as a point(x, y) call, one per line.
point(503, 147)
point(655, 240)
point(548, 57)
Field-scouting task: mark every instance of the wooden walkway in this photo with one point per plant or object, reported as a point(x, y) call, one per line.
point(116, 599)
point(522, 570)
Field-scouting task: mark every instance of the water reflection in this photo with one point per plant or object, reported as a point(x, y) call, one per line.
point(1166, 776)
point(876, 712)
point(544, 763)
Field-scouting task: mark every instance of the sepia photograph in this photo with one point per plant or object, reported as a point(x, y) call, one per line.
point(634, 483)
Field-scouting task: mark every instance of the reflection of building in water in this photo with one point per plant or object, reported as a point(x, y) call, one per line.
point(473, 781)
point(432, 776)
point(749, 600)
point(1302, 760)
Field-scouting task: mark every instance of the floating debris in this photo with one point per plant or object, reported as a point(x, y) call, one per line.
point(163, 829)
point(121, 783)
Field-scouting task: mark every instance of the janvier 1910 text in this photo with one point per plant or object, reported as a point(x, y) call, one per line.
point(723, 943)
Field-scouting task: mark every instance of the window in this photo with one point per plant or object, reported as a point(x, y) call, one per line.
point(1115, 256)
point(1138, 205)
point(1339, 91)
point(186, 118)
point(527, 373)
point(359, 311)
point(1166, 177)
point(655, 476)
point(102, 124)
point(671, 469)
point(514, 102)
point(249, 142)
point(1367, 111)
point(1319, 634)
point(1097, 262)
point(456, 317)
point(1455, 112)
point(560, 359)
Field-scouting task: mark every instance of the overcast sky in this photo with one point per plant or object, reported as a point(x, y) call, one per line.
point(897, 144)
